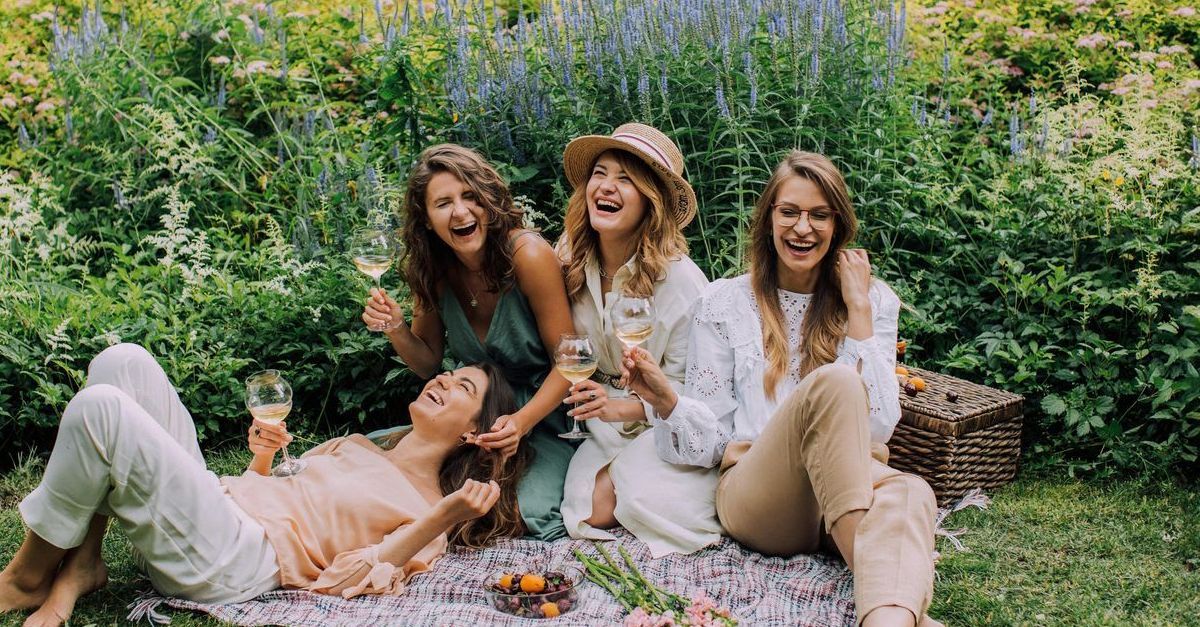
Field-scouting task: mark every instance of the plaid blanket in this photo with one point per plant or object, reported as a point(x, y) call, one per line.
point(803, 590)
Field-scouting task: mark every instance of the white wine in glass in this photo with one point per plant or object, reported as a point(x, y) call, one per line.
point(269, 399)
point(373, 251)
point(575, 360)
point(633, 319)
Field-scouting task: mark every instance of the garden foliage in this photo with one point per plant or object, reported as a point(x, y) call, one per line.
point(184, 176)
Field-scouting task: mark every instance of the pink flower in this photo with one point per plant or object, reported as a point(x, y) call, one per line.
point(1093, 41)
point(30, 81)
point(44, 106)
point(1125, 13)
point(1184, 12)
point(1145, 57)
point(8, 102)
point(1120, 91)
point(221, 60)
point(185, 35)
point(1191, 83)
point(220, 35)
point(1123, 44)
point(256, 67)
point(1164, 65)
point(1176, 49)
point(1149, 104)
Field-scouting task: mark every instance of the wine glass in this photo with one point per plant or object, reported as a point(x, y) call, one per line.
point(269, 399)
point(633, 319)
point(373, 251)
point(575, 360)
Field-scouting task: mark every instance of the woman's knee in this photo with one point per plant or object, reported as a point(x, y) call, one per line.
point(911, 490)
point(94, 402)
point(119, 356)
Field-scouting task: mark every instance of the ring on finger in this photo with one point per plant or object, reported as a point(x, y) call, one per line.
point(591, 396)
point(257, 431)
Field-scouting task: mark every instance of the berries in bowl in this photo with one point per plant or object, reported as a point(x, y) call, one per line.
point(534, 594)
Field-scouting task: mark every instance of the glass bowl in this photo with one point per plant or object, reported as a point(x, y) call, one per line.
point(555, 598)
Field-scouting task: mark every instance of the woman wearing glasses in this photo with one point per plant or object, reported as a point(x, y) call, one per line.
point(791, 389)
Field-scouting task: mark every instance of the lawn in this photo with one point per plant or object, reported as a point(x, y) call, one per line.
point(1048, 552)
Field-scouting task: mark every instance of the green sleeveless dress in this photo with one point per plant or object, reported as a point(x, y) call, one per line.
point(513, 344)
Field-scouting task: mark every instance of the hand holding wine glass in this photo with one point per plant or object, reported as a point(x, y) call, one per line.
point(269, 399)
point(575, 359)
point(373, 251)
point(633, 319)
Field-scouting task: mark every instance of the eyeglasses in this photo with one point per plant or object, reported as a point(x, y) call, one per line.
point(787, 216)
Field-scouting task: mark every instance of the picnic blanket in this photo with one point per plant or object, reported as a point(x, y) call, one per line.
point(802, 590)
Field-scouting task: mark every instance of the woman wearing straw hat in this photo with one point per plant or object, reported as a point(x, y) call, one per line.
point(791, 391)
point(623, 237)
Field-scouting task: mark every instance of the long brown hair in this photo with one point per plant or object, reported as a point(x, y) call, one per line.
point(659, 237)
point(824, 324)
point(471, 462)
point(427, 257)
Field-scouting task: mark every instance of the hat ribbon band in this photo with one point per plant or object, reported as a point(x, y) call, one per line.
point(646, 147)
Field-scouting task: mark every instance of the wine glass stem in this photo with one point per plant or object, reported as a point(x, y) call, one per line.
point(576, 428)
point(287, 459)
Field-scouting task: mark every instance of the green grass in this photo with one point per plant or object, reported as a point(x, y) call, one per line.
point(1048, 552)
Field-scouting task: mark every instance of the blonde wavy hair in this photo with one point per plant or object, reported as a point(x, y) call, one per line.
point(659, 237)
point(824, 324)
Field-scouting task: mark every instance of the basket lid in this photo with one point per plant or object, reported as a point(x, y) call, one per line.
point(976, 406)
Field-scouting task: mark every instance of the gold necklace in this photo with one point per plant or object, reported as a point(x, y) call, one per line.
point(474, 302)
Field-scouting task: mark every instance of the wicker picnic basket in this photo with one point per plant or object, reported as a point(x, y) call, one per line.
point(972, 442)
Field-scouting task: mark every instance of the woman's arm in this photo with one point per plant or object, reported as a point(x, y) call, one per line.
point(419, 346)
point(381, 568)
point(539, 277)
point(692, 428)
point(875, 357)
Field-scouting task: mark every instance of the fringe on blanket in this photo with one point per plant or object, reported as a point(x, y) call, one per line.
point(973, 498)
point(145, 607)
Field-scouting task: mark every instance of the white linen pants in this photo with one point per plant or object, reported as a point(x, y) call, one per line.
point(127, 448)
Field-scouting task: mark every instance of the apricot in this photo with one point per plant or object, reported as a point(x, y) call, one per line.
point(550, 609)
point(532, 583)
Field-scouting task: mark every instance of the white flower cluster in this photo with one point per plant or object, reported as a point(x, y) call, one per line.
point(182, 247)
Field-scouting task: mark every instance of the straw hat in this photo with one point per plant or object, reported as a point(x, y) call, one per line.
point(646, 143)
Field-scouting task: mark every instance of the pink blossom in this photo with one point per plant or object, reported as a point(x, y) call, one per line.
point(256, 67)
point(1164, 65)
point(220, 35)
point(1120, 91)
point(1191, 83)
point(1105, 86)
point(44, 16)
point(13, 63)
point(1123, 44)
point(1145, 57)
point(27, 99)
point(1184, 12)
point(44, 106)
point(30, 81)
point(1149, 103)
point(185, 35)
point(8, 102)
point(220, 60)
point(1176, 49)
point(1093, 41)
point(970, 4)
point(1125, 13)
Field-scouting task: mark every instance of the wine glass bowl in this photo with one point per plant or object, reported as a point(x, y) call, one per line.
point(633, 319)
point(575, 360)
point(269, 400)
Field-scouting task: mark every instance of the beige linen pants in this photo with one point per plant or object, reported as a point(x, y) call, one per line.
point(813, 463)
point(127, 448)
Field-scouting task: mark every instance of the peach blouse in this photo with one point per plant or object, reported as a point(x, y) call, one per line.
point(326, 523)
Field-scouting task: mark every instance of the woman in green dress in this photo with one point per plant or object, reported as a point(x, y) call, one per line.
point(490, 291)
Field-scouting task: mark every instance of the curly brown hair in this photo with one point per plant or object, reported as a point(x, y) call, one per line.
point(426, 256)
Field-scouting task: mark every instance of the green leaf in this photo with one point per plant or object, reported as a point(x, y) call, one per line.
point(1054, 405)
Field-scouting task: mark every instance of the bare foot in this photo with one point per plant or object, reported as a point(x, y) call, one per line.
point(18, 595)
point(81, 574)
point(926, 621)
